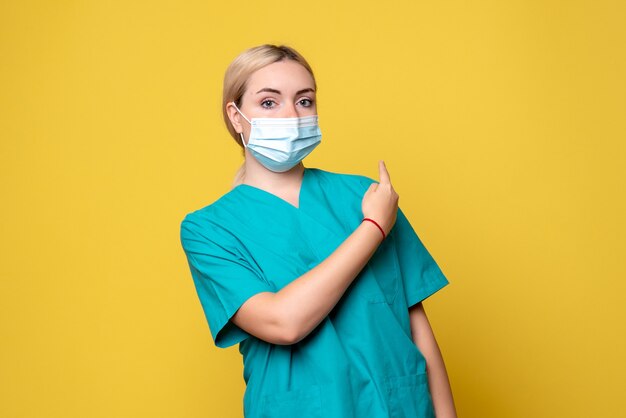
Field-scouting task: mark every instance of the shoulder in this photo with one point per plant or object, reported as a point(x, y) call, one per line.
point(210, 222)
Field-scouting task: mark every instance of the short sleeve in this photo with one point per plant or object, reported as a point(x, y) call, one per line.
point(421, 276)
point(223, 278)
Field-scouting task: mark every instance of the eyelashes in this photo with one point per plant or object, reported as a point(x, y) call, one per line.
point(271, 103)
point(268, 104)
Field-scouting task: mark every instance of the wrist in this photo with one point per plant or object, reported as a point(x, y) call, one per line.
point(376, 225)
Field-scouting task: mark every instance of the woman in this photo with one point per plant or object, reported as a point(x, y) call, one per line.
point(317, 275)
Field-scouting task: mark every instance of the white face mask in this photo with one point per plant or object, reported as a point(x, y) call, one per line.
point(281, 143)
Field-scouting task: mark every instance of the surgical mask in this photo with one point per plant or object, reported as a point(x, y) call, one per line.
point(281, 143)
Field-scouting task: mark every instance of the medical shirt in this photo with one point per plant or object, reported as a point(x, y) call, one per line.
point(360, 361)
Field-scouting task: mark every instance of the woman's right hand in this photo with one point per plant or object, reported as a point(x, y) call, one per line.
point(380, 201)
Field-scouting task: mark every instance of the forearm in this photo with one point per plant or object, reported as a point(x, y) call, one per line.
point(306, 301)
point(438, 381)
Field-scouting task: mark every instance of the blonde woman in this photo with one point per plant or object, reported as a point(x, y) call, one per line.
point(317, 275)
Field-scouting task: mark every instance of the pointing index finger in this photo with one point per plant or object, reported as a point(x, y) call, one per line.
point(383, 173)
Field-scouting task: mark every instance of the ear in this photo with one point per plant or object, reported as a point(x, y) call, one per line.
point(234, 116)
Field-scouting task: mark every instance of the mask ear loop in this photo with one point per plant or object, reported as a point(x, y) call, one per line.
point(247, 120)
point(244, 116)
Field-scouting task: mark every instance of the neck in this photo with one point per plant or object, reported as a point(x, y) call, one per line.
point(259, 176)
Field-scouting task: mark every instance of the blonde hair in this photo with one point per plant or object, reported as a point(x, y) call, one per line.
point(236, 78)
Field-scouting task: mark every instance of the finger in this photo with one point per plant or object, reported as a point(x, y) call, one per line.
point(383, 173)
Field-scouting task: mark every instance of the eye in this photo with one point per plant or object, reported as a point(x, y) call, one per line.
point(268, 103)
point(305, 102)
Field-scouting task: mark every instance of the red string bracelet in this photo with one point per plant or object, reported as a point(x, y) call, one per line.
point(375, 223)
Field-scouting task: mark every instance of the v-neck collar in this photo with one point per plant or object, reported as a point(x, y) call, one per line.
point(305, 175)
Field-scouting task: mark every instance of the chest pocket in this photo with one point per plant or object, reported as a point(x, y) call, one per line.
point(381, 277)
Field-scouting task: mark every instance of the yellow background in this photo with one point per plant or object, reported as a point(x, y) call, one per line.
point(503, 127)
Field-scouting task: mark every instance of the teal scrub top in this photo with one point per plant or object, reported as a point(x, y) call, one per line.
point(360, 361)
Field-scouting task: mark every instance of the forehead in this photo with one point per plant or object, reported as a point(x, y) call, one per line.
point(283, 75)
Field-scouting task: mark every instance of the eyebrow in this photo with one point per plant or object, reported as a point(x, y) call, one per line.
point(299, 92)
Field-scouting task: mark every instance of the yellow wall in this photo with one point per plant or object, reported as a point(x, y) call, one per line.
point(503, 127)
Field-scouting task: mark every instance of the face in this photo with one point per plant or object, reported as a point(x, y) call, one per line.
point(283, 89)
